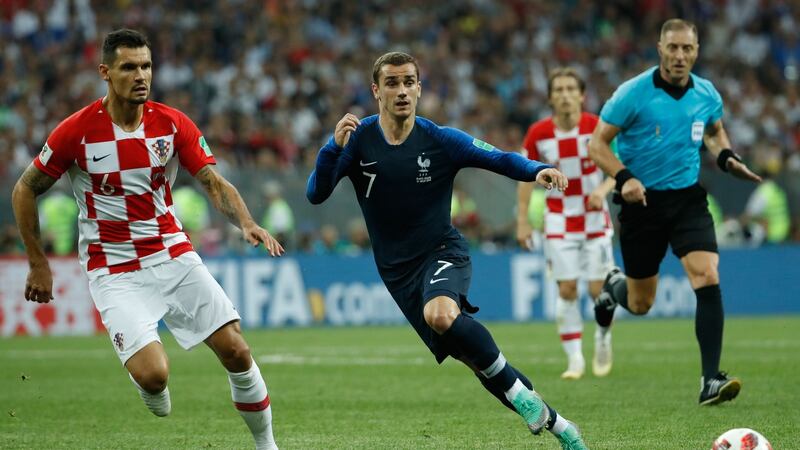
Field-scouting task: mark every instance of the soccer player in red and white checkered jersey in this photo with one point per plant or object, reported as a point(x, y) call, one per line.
point(121, 154)
point(577, 224)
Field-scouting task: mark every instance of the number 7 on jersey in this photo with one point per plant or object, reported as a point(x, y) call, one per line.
point(371, 177)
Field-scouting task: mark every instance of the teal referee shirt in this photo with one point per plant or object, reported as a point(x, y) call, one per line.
point(662, 126)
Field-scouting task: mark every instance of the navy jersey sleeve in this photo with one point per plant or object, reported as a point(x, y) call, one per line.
point(466, 151)
point(332, 164)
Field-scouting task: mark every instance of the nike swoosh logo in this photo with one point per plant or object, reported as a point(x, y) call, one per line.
point(434, 281)
point(363, 164)
point(95, 158)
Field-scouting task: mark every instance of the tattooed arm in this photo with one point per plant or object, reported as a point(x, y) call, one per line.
point(227, 200)
point(32, 183)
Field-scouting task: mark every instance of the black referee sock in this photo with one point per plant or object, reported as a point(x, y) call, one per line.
point(708, 323)
point(477, 346)
point(619, 290)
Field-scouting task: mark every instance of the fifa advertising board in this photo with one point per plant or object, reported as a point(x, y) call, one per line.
point(346, 291)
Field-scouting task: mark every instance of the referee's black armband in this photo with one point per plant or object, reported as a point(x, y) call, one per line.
point(724, 155)
point(622, 176)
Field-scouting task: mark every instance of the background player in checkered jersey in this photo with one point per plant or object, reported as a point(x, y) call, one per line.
point(577, 225)
point(660, 119)
point(121, 154)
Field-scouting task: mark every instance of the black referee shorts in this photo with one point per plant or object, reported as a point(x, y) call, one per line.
point(678, 218)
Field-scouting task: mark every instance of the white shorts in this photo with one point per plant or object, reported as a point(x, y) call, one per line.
point(589, 259)
point(181, 291)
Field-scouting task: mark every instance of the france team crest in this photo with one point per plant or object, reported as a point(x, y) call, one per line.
point(161, 147)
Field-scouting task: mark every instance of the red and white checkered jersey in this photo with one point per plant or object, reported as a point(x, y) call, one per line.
point(122, 181)
point(567, 215)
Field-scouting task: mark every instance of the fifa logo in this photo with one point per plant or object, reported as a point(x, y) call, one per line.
point(161, 147)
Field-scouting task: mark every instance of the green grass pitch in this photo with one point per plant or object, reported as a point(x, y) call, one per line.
point(379, 387)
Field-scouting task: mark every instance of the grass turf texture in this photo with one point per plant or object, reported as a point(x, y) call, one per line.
point(379, 387)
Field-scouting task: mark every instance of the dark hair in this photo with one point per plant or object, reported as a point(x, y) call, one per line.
point(122, 38)
point(564, 72)
point(677, 24)
point(393, 59)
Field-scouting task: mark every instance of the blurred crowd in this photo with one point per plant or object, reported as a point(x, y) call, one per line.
point(267, 80)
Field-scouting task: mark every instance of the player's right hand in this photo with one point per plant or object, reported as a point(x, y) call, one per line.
point(524, 232)
point(552, 178)
point(256, 236)
point(344, 128)
point(39, 286)
point(633, 191)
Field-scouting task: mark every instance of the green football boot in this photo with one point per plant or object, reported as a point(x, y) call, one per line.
point(532, 409)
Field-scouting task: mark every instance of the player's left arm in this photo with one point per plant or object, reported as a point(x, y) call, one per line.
point(228, 201)
point(716, 141)
point(467, 151)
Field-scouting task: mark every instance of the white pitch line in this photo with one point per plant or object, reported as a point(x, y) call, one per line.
point(334, 360)
point(341, 361)
point(56, 354)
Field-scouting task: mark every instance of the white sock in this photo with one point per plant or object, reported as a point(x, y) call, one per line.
point(159, 404)
point(515, 389)
point(560, 425)
point(250, 396)
point(570, 325)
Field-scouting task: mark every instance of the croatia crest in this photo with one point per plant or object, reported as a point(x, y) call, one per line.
point(161, 147)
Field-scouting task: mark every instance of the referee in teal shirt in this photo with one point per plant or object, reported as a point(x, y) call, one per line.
point(661, 118)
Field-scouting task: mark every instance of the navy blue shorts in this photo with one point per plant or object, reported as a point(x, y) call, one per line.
point(447, 272)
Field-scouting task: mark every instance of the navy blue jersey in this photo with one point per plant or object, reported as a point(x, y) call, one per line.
point(405, 190)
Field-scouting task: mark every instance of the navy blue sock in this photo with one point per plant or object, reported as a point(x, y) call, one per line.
point(477, 347)
point(708, 324)
point(553, 417)
point(500, 394)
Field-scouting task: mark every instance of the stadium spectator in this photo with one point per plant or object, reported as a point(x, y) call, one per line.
point(577, 224)
point(661, 118)
point(422, 259)
point(358, 236)
point(58, 220)
point(278, 216)
point(329, 242)
point(767, 207)
point(191, 209)
point(118, 153)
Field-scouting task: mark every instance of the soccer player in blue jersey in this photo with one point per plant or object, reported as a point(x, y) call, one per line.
point(661, 118)
point(402, 167)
